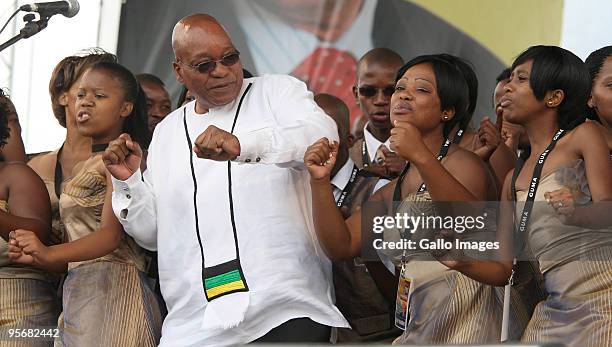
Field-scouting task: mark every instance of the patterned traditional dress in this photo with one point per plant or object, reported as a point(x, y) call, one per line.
point(577, 268)
point(107, 301)
point(27, 298)
point(444, 305)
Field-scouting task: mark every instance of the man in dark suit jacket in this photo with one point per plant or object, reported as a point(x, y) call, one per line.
point(410, 30)
point(364, 301)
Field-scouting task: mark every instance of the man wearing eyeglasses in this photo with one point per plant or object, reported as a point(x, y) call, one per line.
point(225, 201)
point(375, 83)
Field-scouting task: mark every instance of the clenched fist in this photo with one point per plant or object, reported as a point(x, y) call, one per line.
point(217, 144)
point(122, 157)
point(394, 164)
point(26, 248)
point(320, 158)
point(407, 142)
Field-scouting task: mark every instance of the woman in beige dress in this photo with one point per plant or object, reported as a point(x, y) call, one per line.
point(107, 300)
point(547, 95)
point(444, 306)
point(27, 298)
point(56, 167)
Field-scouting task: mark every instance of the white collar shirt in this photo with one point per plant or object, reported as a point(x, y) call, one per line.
point(286, 270)
point(342, 178)
point(372, 143)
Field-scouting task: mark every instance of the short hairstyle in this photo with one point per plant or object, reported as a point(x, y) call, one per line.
point(557, 68)
point(451, 85)
point(594, 62)
point(67, 72)
point(150, 78)
point(472, 83)
point(382, 56)
point(135, 124)
point(5, 131)
point(504, 75)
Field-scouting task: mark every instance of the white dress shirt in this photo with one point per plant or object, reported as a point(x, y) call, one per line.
point(287, 273)
point(342, 178)
point(372, 144)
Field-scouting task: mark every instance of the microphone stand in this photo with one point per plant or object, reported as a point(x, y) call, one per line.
point(31, 28)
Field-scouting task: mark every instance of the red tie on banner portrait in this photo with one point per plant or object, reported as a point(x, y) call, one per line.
point(331, 71)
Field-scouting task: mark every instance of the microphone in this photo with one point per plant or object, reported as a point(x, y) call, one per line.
point(67, 8)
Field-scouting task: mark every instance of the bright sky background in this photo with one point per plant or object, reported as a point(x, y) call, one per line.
point(25, 68)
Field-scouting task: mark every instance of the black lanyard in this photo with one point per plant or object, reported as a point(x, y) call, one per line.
point(59, 175)
point(458, 136)
point(397, 193)
point(229, 177)
point(535, 180)
point(365, 156)
point(349, 187)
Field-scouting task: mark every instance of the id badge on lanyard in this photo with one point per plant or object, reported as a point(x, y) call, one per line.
point(401, 300)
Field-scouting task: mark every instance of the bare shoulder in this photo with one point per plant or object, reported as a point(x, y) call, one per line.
point(19, 172)
point(464, 159)
point(586, 131)
point(471, 172)
point(586, 137)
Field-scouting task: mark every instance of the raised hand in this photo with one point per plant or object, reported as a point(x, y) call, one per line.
point(216, 144)
point(407, 142)
point(394, 164)
point(122, 157)
point(26, 248)
point(511, 134)
point(488, 139)
point(320, 158)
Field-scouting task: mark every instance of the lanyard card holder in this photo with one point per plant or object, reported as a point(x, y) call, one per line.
point(402, 299)
point(223, 279)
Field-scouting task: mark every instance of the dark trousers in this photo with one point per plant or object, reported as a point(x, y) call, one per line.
point(298, 330)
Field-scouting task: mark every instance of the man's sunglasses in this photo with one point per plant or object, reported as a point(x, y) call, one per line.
point(208, 66)
point(370, 92)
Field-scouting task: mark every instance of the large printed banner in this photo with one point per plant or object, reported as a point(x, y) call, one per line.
point(321, 41)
